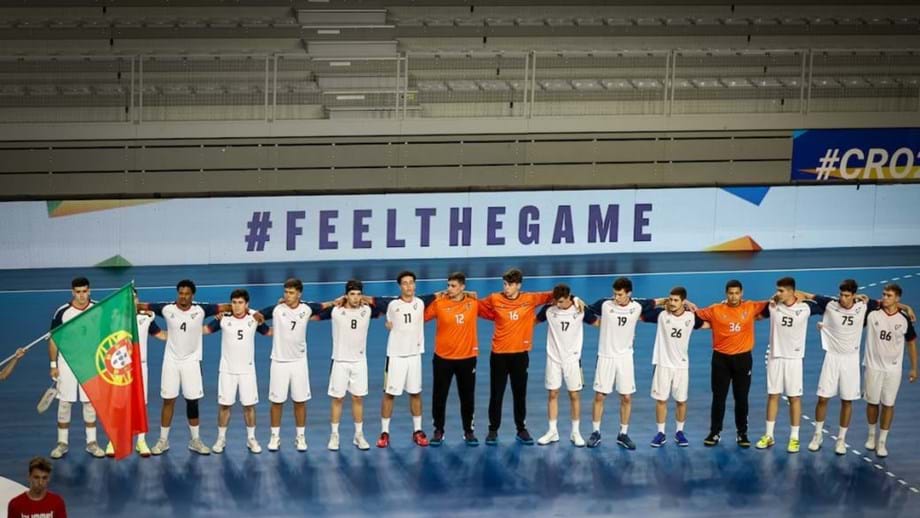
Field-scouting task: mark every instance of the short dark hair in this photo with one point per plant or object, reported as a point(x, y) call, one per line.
point(40, 463)
point(354, 285)
point(892, 287)
point(786, 282)
point(457, 276)
point(680, 291)
point(733, 283)
point(849, 286)
point(404, 273)
point(79, 282)
point(239, 293)
point(186, 283)
point(561, 291)
point(295, 283)
point(622, 283)
point(513, 276)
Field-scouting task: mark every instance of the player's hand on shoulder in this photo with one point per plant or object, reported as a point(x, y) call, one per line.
point(472, 294)
point(862, 297)
point(690, 306)
point(580, 305)
point(259, 317)
point(819, 325)
point(339, 301)
point(388, 324)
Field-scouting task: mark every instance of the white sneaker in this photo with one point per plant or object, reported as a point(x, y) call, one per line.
point(218, 447)
point(361, 442)
point(550, 436)
point(333, 442)
point(274, 442)
point(142, 448)
point(870, 443)
point(60, 450)
point(253, 445)
point(882, 450)
point(300, 442)
point(93, 449)
point(160, 447)
point(577, 439)
point(198, 447)
point(816, 441)
point(840, 448)
point(110, 450)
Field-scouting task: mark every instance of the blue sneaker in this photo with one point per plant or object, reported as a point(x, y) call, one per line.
point(659, 440)
point(624, 441)
point(436, 438)
point(594, 440)
point(470, 439)
point(523, 437)
point(681, 439)
point(492, 438)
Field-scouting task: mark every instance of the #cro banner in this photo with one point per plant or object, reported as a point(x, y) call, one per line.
point(452, 225)
point(856, 155)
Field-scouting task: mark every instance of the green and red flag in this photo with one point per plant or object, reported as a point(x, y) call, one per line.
point(101, 346)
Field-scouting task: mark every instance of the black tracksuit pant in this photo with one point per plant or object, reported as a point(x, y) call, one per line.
point(734, 370)
point(502, 367)
point(444, 370)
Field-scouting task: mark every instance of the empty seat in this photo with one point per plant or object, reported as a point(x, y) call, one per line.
point(494, 85)
point(791, 82)
point(431, 86)
point(588, 22)
point(617, 84)
point(854, 82)
point(463, 85)
point(825, 82)
point(587, 84)
point(43, 90)
point(75, 90)
point(555, 85)
point(499, 22)
point(736, 82)
point(176, 89)
point(647, 84)
point(766, 82)
point(706, 83)
point(209, 90)
point(11, 90)
point(109, 90)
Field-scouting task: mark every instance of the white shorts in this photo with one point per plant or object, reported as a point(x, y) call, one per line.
point(285, 376)
point(570, 371)
point(229, 384)
point(185, 375)
point(839, 376)
point(348, 376)
point(403, 373)
point(669, 381)
point(784, 376)
point(882, 386)
point(617, 371)
point(68, 387)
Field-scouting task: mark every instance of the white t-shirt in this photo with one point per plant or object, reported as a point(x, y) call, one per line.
point(841, 328)
point(564, 332)
point(885, 338)
point(289, 332)
point(672, 337)
point(237, 342)
point(349, 331)
point(407, 337)
point(184, 328)
point(788, 327)
point(618, 325)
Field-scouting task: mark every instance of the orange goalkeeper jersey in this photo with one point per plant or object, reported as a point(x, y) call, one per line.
point(732, 327)
point(455, 328)
point(514, 319)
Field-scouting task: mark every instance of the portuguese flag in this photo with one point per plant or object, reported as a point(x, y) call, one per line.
point(101, 346)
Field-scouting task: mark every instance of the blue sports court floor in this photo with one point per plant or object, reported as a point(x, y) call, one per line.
point(455, 480)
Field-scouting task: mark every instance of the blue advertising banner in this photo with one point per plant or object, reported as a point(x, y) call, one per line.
point(856, 155)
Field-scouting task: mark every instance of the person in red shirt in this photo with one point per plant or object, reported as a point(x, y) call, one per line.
point(732, 325)
point(514, 313)
point(37, 502)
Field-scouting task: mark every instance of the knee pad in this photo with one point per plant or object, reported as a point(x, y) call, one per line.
point(191, 408)
point(63, 415)
point(89, 413)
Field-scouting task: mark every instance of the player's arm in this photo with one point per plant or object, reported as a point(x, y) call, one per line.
point(597, 306)
point(542, 297)
point(805, 295)
point(908, 310)
point(910, 336)
point(154, 307)
point(264, 330)
point(267, 312)
point(541, 315)
point(705, 314)
point(212, 327)
point(431, 311)
point(650, 312)
point(591, 318)
point(325, 314)
point(52, 347)
point(8, 369)
point(155, 331)
point(486, 309)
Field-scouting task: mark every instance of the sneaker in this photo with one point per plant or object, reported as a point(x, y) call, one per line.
point(840, 448)
point(60, 450)
point(743, 441)
point(198, 447)
point(161, 447)
point(624, 441)
point(110, 449)
point(594, 440)
point(816, 441)
point(881, 451)
point(218, 447)
point(712, 439)
point(93, 449)
point(870, 443)
point(523, 437)
point(765, 442)
point(549, 437)
point(384, 440)
point(333, 442)
point(659, 440)
point(360, 442)
point(419, 438)
point(681, 439)
point(437, 437)
point(492, 438)
point(253, 444)
point(793, 446)
point(300, 443)
point(577, 440)
point(274, 443)
point(142, 448)
point(469, 438)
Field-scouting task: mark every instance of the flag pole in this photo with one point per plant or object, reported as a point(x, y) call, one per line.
point(39, 339)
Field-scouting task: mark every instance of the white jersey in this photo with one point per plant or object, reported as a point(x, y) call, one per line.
point(237, 343)
point(885, 340)
point(565, 332)
point(144, 322)
point(66, 313)
point(407, 337)
point(788, 328)
point(841, 328)
point(349, 332)
point(289, 332)
point(184, 329)
point(618, 326)
point(672, 338)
